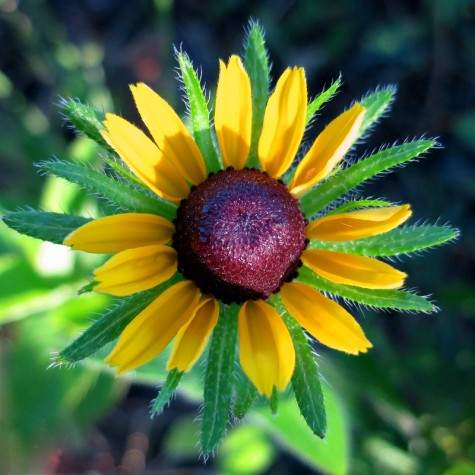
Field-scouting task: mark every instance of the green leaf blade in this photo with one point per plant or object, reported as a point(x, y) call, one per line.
point(393, 299)
point(245, 393)
point(341, 183)
point(121, 171)
point(199, 112)
point(125, 196)
point(315, 105)
point(47, 226)
point(393, 243)
point(166, 392)
point(376, 104)
point(87, 120)
point(219, 378)
point(256, 63)
point(358, 204)
point(306, 377)
point(111, 324)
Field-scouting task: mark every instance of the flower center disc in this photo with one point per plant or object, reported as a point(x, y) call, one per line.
point(239, 235)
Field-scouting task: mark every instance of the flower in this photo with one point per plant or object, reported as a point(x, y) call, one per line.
point(239, 235)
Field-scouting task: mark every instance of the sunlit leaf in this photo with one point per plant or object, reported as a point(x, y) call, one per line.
point(53, 227)
point(120, 193)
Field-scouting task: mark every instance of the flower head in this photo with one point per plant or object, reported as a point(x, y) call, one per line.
point(239, 235)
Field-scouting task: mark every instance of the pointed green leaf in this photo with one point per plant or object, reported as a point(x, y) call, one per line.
point(396, 299)
point(199, 113)
point(245, 393)
point(376, 104)
point(89, 287)
point(274, 401)
point(256, 62)
point(393, 243)
point(87, 120)
point(123, 172)
point(358, 204)
point(112, 323)
point(315, 105)
point(336, 186)
point(219, 378)
point(120, 193)
point(306, 378)
point(166, 391)
point(53, 227)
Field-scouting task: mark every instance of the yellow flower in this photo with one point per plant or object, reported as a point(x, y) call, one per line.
point(239, 235)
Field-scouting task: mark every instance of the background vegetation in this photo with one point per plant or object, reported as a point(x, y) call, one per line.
point(408, 406)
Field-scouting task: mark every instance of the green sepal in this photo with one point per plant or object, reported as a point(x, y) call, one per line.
point(219, 378)
point(315, 105)
point(381, 298)
point(274, 401)
point(358, 204)
point(199, 113)
point(312, 109)
point(44, 225)
point(393, 243)
point(338, 185)
point(111, 324)
point(306, 378)
point(125, 196)
point(123, 172)
point(376, 103)
point(166, 392)
point(245, 393)
point(87, 288)
point(87, 120)
point(256, 63)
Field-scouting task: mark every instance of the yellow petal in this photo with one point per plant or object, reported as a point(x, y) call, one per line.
point(193, 337)
point(153, 328)
point(119, 232)
point(327, 150)
point(135, 270)
point(284, 123)
point(233, 116)
point(358, 224)
point(170, 133)
point(353, 270)
point(266, 351)
point(145, 159)
point(324, 319)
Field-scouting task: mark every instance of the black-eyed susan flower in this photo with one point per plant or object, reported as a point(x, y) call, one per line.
point(237, 236)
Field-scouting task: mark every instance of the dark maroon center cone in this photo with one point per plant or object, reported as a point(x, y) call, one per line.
point(239, 235)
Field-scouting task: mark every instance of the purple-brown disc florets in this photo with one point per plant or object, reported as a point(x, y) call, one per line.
point(239, 235)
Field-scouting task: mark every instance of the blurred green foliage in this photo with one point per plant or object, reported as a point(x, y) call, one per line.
point(408, 406)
